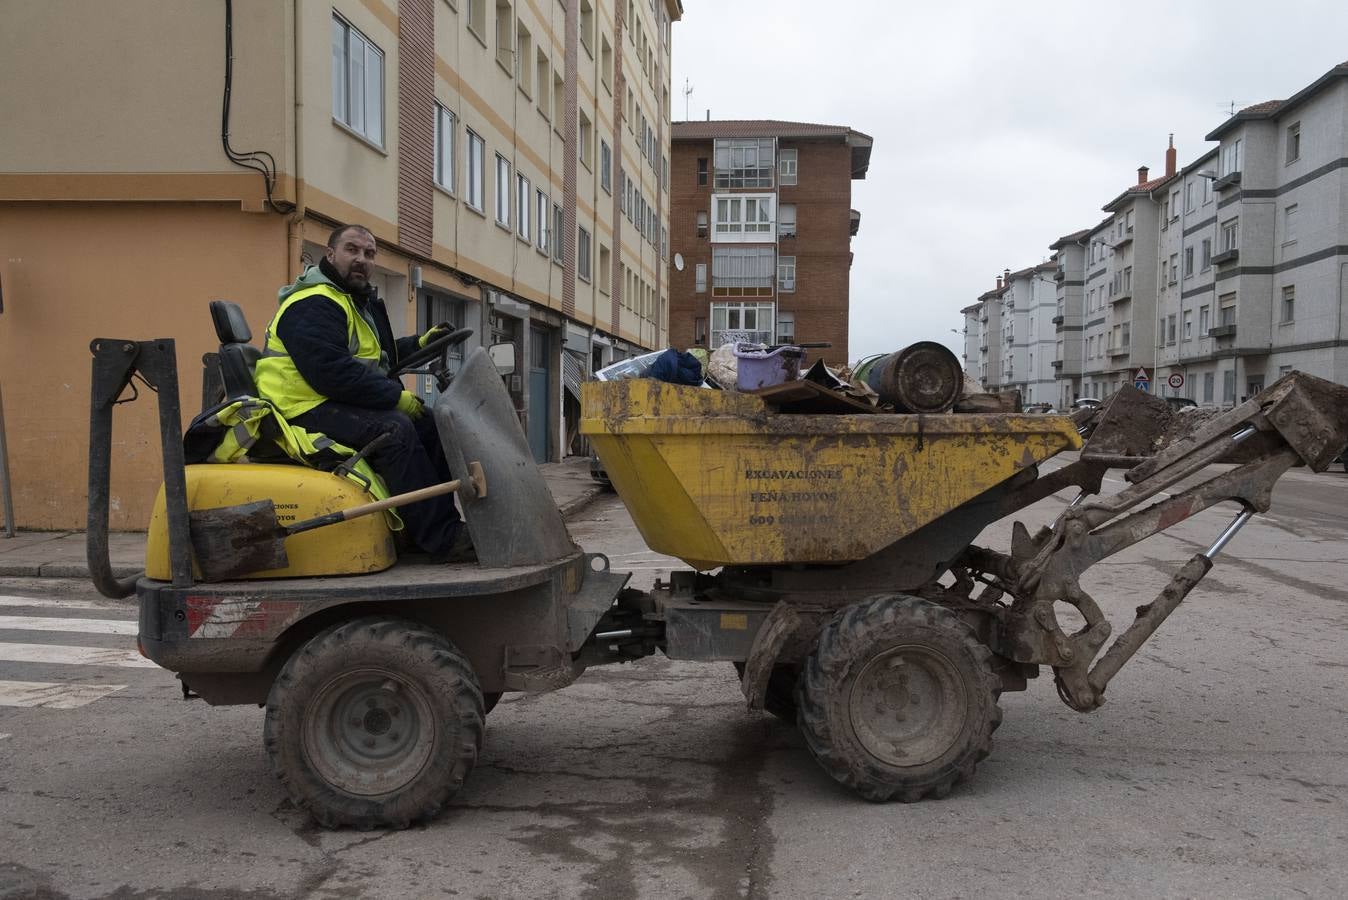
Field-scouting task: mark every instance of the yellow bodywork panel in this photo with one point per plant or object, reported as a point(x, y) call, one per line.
point(347, 548)
point(715, 478)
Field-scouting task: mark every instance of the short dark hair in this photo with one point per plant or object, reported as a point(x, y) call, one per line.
point(343, 229)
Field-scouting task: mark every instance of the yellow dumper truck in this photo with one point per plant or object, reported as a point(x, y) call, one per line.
point(831, 559)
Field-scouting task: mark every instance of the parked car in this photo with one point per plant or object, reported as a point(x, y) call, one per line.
point(1085, 403)
point(1045, 408)
point(1180, 404)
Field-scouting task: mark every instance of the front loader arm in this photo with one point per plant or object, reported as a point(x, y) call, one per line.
point(1298, 420)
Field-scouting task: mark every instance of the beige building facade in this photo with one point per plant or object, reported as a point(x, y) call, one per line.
point(510, 156)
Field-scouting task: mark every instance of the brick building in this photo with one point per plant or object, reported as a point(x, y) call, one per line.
point(761, 218)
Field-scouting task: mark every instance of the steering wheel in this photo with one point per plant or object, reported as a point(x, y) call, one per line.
point(432, 350)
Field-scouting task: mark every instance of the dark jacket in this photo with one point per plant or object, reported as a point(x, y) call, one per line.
point(677, 368)
point(314, 333)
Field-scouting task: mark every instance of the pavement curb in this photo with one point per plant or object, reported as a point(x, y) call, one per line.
point(573, 507)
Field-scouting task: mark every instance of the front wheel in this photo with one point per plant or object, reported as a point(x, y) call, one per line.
point(898, 699)
point(374, 724)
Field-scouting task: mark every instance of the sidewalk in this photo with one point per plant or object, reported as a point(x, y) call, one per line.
point(61, 554)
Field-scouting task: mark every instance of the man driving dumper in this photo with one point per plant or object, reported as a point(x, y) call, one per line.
point(325, 364)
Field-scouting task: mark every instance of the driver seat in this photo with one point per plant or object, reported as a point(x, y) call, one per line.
point(238, 357)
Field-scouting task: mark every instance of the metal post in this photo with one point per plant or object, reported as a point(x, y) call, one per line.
point(4, 473)
point(1225, 537)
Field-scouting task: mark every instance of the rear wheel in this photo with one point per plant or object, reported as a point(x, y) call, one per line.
point(375, 723)
point(898, 699)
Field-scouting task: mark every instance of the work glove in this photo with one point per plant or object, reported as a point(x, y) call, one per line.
point(411, 404)
point(436, 331)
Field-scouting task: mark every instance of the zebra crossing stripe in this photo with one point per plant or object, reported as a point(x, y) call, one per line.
point(74, 656)
point(10, 600)
point(53, 696)
point(86, 626)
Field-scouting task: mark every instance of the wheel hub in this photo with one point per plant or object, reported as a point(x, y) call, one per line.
point(368, 732)
point(908, 705)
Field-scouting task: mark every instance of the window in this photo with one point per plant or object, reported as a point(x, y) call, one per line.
point(1174, 205)
point(1230, 234)
point(1188, 326)
point(583, 254)
point(700, 331)
point(1207, 254)
point(1170, 330)
point(1230, 158)
point(742, 271)
point(744, 163)
point(1207, 190)
point(1207, 387)
point(700, 278)
point(605, 166)
point(605, 269)
point(558, 102)
point(587, 26)
point(1293, 142)
point(476, 148)
point(1128, 221)
point(1227, 312)
point(786, 274)
point(477, 17)
point(357, 82)
point(786, 328)
point(701, 170)
point(444, 148)
point(524, 58)
point(541, 213)
point(1188, 261)
point(1289, 300)
point(1174, 267)
point(786, 220)
point(742, 217)
point(586, 139)
point(505, 34)
point(1203, 321)
point(522, 206)
point(1189, 197)
point(502, 191)
point(786, 167)
point(741, 321)
point(558, 233)
point(605, 63)
point(1128, 280)
point(1289, 224)
point(1229, 386)
point(544, 71)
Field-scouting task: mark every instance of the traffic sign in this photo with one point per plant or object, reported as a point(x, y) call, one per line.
point(1142, 379)
point(1176, 380)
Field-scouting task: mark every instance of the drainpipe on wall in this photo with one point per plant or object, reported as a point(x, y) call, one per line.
point(295, 228)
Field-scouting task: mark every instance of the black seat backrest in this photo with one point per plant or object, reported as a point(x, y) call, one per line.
point(237, 356)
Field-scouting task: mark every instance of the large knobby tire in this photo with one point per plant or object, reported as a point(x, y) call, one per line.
point(374, 724)
point(898, 699)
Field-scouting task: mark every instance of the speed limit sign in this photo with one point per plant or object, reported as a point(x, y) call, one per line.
point(1176, 380)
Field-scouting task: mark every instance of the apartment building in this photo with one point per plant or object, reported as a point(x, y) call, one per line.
point(510, 156)
point(761, 230)
point(989, 339)
point(1029, 303)
point(1217, 279)
point(1069, 277)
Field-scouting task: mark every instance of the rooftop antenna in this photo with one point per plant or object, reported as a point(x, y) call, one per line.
point(687, 92)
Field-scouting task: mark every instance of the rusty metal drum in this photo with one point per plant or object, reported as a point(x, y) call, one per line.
point(921, 378)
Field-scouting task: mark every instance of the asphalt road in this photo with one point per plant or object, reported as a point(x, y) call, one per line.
point(1219, 767)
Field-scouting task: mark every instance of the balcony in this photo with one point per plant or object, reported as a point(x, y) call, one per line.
point(983, 348)
point(1115, 352)
point(1222, 331)
point(1122, 297)
point(983, 318)
point(1124, 241)
point(1226, 181)
point(1226, 256)
point(1060, 274)
point(1057, 364)
point(1057, 320)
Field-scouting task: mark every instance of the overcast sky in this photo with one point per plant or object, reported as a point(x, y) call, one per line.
point(998, 126)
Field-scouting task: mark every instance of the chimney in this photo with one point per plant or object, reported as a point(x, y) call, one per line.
point(1006, 277)
point(999, 282)
point(1141, 174)
point(1170, 157)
